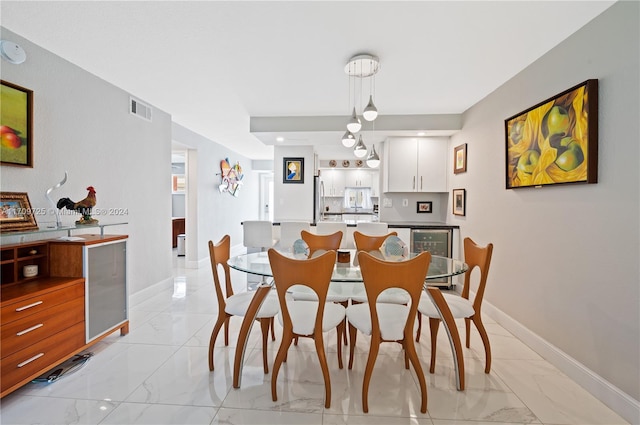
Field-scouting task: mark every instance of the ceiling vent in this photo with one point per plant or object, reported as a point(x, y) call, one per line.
point(139, 109)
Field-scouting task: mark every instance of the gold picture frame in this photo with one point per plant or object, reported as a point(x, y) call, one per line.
point(16, 214)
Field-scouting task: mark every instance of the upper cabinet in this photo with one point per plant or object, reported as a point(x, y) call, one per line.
point(336, 179)
point(415, 164)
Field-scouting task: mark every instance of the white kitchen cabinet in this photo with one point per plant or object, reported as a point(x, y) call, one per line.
point(334, 182)
point(415, 164)
point(358, 178)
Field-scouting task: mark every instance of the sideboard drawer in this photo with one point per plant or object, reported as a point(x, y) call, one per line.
point(22, 333)
point(41, 356)
point(17, 310)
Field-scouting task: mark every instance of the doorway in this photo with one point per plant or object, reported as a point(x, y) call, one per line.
point(266, 196)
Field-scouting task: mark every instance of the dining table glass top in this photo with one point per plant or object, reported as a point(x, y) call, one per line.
point(258, 263)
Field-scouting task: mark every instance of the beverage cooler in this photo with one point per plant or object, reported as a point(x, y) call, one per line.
point(437, 242)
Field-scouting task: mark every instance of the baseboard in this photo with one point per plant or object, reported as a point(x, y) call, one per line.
point(150, 291)
point(616, 399)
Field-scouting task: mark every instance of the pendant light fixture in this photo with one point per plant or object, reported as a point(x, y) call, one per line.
point(360, 150)
point(349, 139)
point(361, 66)
point(373, 160)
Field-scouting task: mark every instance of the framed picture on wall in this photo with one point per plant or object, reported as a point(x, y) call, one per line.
point(459, 201)
point(424, 207)
point(555, 141)
point(16, 214)
point(178, 183)
point(15, 125)
point(460, 159)
point(292, 170)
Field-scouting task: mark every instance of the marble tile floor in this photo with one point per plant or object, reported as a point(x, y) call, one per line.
point(158, 374)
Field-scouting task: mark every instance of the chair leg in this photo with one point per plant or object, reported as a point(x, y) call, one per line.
point(345, 304)
point(434, 324)
point(287, 337)
point(226, 331)
point(406, 355)
point(273, 332)
point(341, 331)
point(295, 341)
point(264, 326)
point(419, 331)
point(467, 326)
point(485, 340)
point(353, 333)
point(212, 341)
point(317, 337)
point(410, 348)
point(371, 361)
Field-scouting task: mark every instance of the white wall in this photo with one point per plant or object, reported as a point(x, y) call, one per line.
point(215, 213)
point(293, 201)
point(565, 262)
point(81, 124)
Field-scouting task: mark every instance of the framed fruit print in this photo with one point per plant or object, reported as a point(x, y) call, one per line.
point(16, 147)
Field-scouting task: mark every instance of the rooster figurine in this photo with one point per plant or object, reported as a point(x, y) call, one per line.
point(83, 207)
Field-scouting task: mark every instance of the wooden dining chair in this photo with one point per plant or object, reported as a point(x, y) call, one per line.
point(460, 306)
point(298, 318)
point(230, 304)
point(387, 322)
point(321, 242)
point(372, 244)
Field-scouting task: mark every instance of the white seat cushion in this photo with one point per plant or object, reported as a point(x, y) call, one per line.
point(391, 296)
point(237, 304)
point(337, 293)
point(392, 318)
point(460, 307)
point(303, 316)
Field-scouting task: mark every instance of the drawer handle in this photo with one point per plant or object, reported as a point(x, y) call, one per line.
point(29, 306)
point(26, 362)
point(32, 328)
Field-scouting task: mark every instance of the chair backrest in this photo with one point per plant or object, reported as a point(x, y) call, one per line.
point(329, 227)
point(290, 232)
point(379, 275)
point(219, 255)
point(374, 228)
point(368, 243)
point(321, 242)
point(476, 256)
point(314, 273)
point(257, 234)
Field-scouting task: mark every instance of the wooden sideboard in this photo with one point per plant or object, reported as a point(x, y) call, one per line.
point(48, 318)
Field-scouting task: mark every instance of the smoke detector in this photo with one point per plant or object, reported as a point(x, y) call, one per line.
point(11, 52)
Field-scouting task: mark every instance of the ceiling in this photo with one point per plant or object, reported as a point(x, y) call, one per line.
point(213, 65)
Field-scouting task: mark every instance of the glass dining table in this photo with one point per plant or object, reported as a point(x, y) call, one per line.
point(346, 276)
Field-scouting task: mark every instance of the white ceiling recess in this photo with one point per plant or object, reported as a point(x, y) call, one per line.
point(213, 65)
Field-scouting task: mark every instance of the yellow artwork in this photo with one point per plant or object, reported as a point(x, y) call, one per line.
point(555, 141)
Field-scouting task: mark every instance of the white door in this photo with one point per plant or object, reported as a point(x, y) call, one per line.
point(266, 197)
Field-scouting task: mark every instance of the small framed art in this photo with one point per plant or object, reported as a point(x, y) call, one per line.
point(459, 201)
point(460, 159)
point(424, 207)
point(292, 170)
point(16, 214)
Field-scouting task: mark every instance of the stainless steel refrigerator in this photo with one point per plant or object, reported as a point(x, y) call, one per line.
point(318, 199)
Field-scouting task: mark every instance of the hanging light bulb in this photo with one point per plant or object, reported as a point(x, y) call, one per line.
point(354, 125)
point(373, 160)
point(348, 140)
point(360, 150)
point(370, 112)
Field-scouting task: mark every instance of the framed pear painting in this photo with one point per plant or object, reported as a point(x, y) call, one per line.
point(555, 141)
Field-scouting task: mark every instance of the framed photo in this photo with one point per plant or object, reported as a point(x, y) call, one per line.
point(292, 170)
point(16, 214)
point(459, 201)
point(460, 159)
point(424, 207)
point(16, 147)
point(555, 141)
point(178, 183)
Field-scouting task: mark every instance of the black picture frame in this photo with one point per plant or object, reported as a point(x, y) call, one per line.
point(555, 141)
point(459, 202)
point(293, 170)
point(424, 207)
point(16, 120)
